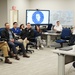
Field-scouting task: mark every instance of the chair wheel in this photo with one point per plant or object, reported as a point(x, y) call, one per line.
point(2, 55)
point(33, 51)
point(1, 59)
point(73, 64)
point(55, 48)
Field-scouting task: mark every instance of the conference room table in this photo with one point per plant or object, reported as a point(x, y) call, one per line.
point(61, 58)
point(49, 34)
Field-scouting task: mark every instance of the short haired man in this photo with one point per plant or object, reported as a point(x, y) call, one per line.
point(58, 27)
point(16, 29)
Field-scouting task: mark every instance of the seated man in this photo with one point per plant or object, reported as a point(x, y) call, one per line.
point(16, 29)
point(12, 42)
point(58, 27)
point(5, 48)
point(22, 27)
point(27, 34)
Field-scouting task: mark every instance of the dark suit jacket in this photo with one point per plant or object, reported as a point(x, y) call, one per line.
point(5, 34)
point(29, 33)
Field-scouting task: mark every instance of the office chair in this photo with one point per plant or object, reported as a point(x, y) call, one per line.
point(65, 36)
point(27, 50)
point(32, 42)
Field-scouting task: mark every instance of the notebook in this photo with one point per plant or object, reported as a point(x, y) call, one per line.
point(51, 31)
point(66, 48)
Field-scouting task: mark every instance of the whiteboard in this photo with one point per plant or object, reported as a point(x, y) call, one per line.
point(65, 17)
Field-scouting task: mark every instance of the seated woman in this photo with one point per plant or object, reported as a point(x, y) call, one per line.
point(22, 27)
point(38, 36)
point(6, 51)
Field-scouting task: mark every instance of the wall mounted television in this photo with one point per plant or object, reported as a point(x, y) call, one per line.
point(38, 17)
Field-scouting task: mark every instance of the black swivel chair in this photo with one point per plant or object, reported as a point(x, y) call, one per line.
point(32, 42)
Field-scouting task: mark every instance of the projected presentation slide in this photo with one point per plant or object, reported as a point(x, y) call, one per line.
point(37, 16)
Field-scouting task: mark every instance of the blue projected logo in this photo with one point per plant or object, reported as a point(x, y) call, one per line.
point(37, 17)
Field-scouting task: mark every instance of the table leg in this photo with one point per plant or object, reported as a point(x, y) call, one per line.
point(61, 64)
point(48, 40)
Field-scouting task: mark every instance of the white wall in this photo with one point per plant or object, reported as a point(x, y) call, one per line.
point(53, 5)
point(3, 12)
point(21, 5)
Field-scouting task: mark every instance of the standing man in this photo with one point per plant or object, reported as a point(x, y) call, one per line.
point(12, 42)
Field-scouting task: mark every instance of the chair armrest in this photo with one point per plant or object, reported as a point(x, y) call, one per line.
point(3, 39)
point(17, 37)
point(67, 37)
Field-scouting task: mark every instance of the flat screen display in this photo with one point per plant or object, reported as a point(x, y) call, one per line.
point(37, 16)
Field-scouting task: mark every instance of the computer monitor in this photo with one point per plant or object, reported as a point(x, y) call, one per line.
point(38, 17)
point(49, 26)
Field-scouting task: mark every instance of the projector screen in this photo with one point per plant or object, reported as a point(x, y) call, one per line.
point(37, 16)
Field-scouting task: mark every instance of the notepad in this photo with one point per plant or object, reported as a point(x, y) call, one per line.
point(66, 48)
point(51, 32)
